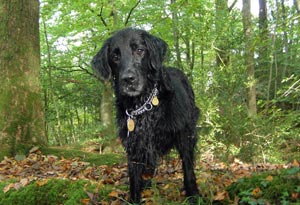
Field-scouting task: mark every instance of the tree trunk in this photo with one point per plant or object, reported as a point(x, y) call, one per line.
point(286, 49)
point(249, 58)
point(297, 6)
point(106, 109)
point(222, 13)
point(263, 48)
point(176, 36)
point(106, 106)
point(21, 110)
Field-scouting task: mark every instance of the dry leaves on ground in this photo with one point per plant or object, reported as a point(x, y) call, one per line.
point(215, 177)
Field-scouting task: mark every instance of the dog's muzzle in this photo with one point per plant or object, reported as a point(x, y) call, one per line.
point(131, 84)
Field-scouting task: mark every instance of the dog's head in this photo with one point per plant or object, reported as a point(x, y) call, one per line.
point(132, 58)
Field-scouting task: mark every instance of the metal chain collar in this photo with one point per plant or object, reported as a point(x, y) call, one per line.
point(147, 106)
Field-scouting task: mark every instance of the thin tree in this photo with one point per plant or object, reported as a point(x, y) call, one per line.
point(249, 58)
point(21, 111)
point(106, 104)
point(264, 60)
point(222, 50)
point(176, 34)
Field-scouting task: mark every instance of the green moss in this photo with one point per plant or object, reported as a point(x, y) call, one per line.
point(54, 192)
point(96, 159)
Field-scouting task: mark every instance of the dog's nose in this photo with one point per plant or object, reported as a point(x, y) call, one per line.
point(128, 78)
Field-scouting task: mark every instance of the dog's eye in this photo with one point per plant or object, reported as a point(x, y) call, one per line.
point(115, 58)
point(140, 51)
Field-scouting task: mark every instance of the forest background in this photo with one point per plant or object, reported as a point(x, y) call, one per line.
point(244, 70)
point(210, 41)
point(241, 57)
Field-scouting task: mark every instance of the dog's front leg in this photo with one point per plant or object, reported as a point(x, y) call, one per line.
point(135, 170)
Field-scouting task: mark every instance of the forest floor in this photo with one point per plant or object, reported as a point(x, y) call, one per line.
point(86, 178)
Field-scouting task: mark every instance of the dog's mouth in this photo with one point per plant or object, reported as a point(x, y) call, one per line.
point(132, 82)
point(132, 90)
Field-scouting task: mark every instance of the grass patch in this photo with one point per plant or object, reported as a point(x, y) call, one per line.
point(93, 158)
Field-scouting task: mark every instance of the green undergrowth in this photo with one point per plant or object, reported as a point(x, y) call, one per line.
point(277, 187)
point(68, 192)
point(93, 158)
point(53, 192)
point(280, 187)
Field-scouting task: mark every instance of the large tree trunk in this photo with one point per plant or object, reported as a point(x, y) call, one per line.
point(249, 58)
point(21, 111)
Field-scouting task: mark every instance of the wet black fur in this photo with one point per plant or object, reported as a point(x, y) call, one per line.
point(171, 124)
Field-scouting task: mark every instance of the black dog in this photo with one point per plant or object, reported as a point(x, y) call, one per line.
point(155, 106)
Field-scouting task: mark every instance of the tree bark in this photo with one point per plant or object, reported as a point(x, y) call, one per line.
point(286, 49)
point(176, 36)
point(249, 58)
point(263, 47)
point(21, 110)
point(106, 104)
point(264, 36)
point(106, 109)
point(222, 13)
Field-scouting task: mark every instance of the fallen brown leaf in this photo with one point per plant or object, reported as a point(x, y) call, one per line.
point(295, 163)
point(147, 193)
point(42, 182)
point(256, 193)
point(116, 202)
point(85, 201)
point(220, 196)
point(8, 187)
point(295, 195)
point(114, 194)
point(269, 178)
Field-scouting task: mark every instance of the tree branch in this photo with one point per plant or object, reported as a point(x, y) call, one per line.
point(71, 68)
point(232, 5)
point(130, 12)
point(101, 16)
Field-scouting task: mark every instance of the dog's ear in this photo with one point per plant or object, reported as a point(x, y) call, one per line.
point(100, 63)
point(157, 49)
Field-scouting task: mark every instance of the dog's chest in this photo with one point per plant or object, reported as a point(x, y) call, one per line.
point(146, 125)
point(150, 131)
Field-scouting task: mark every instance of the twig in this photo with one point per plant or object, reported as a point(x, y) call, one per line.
point(130, 12)
point(101, 17)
